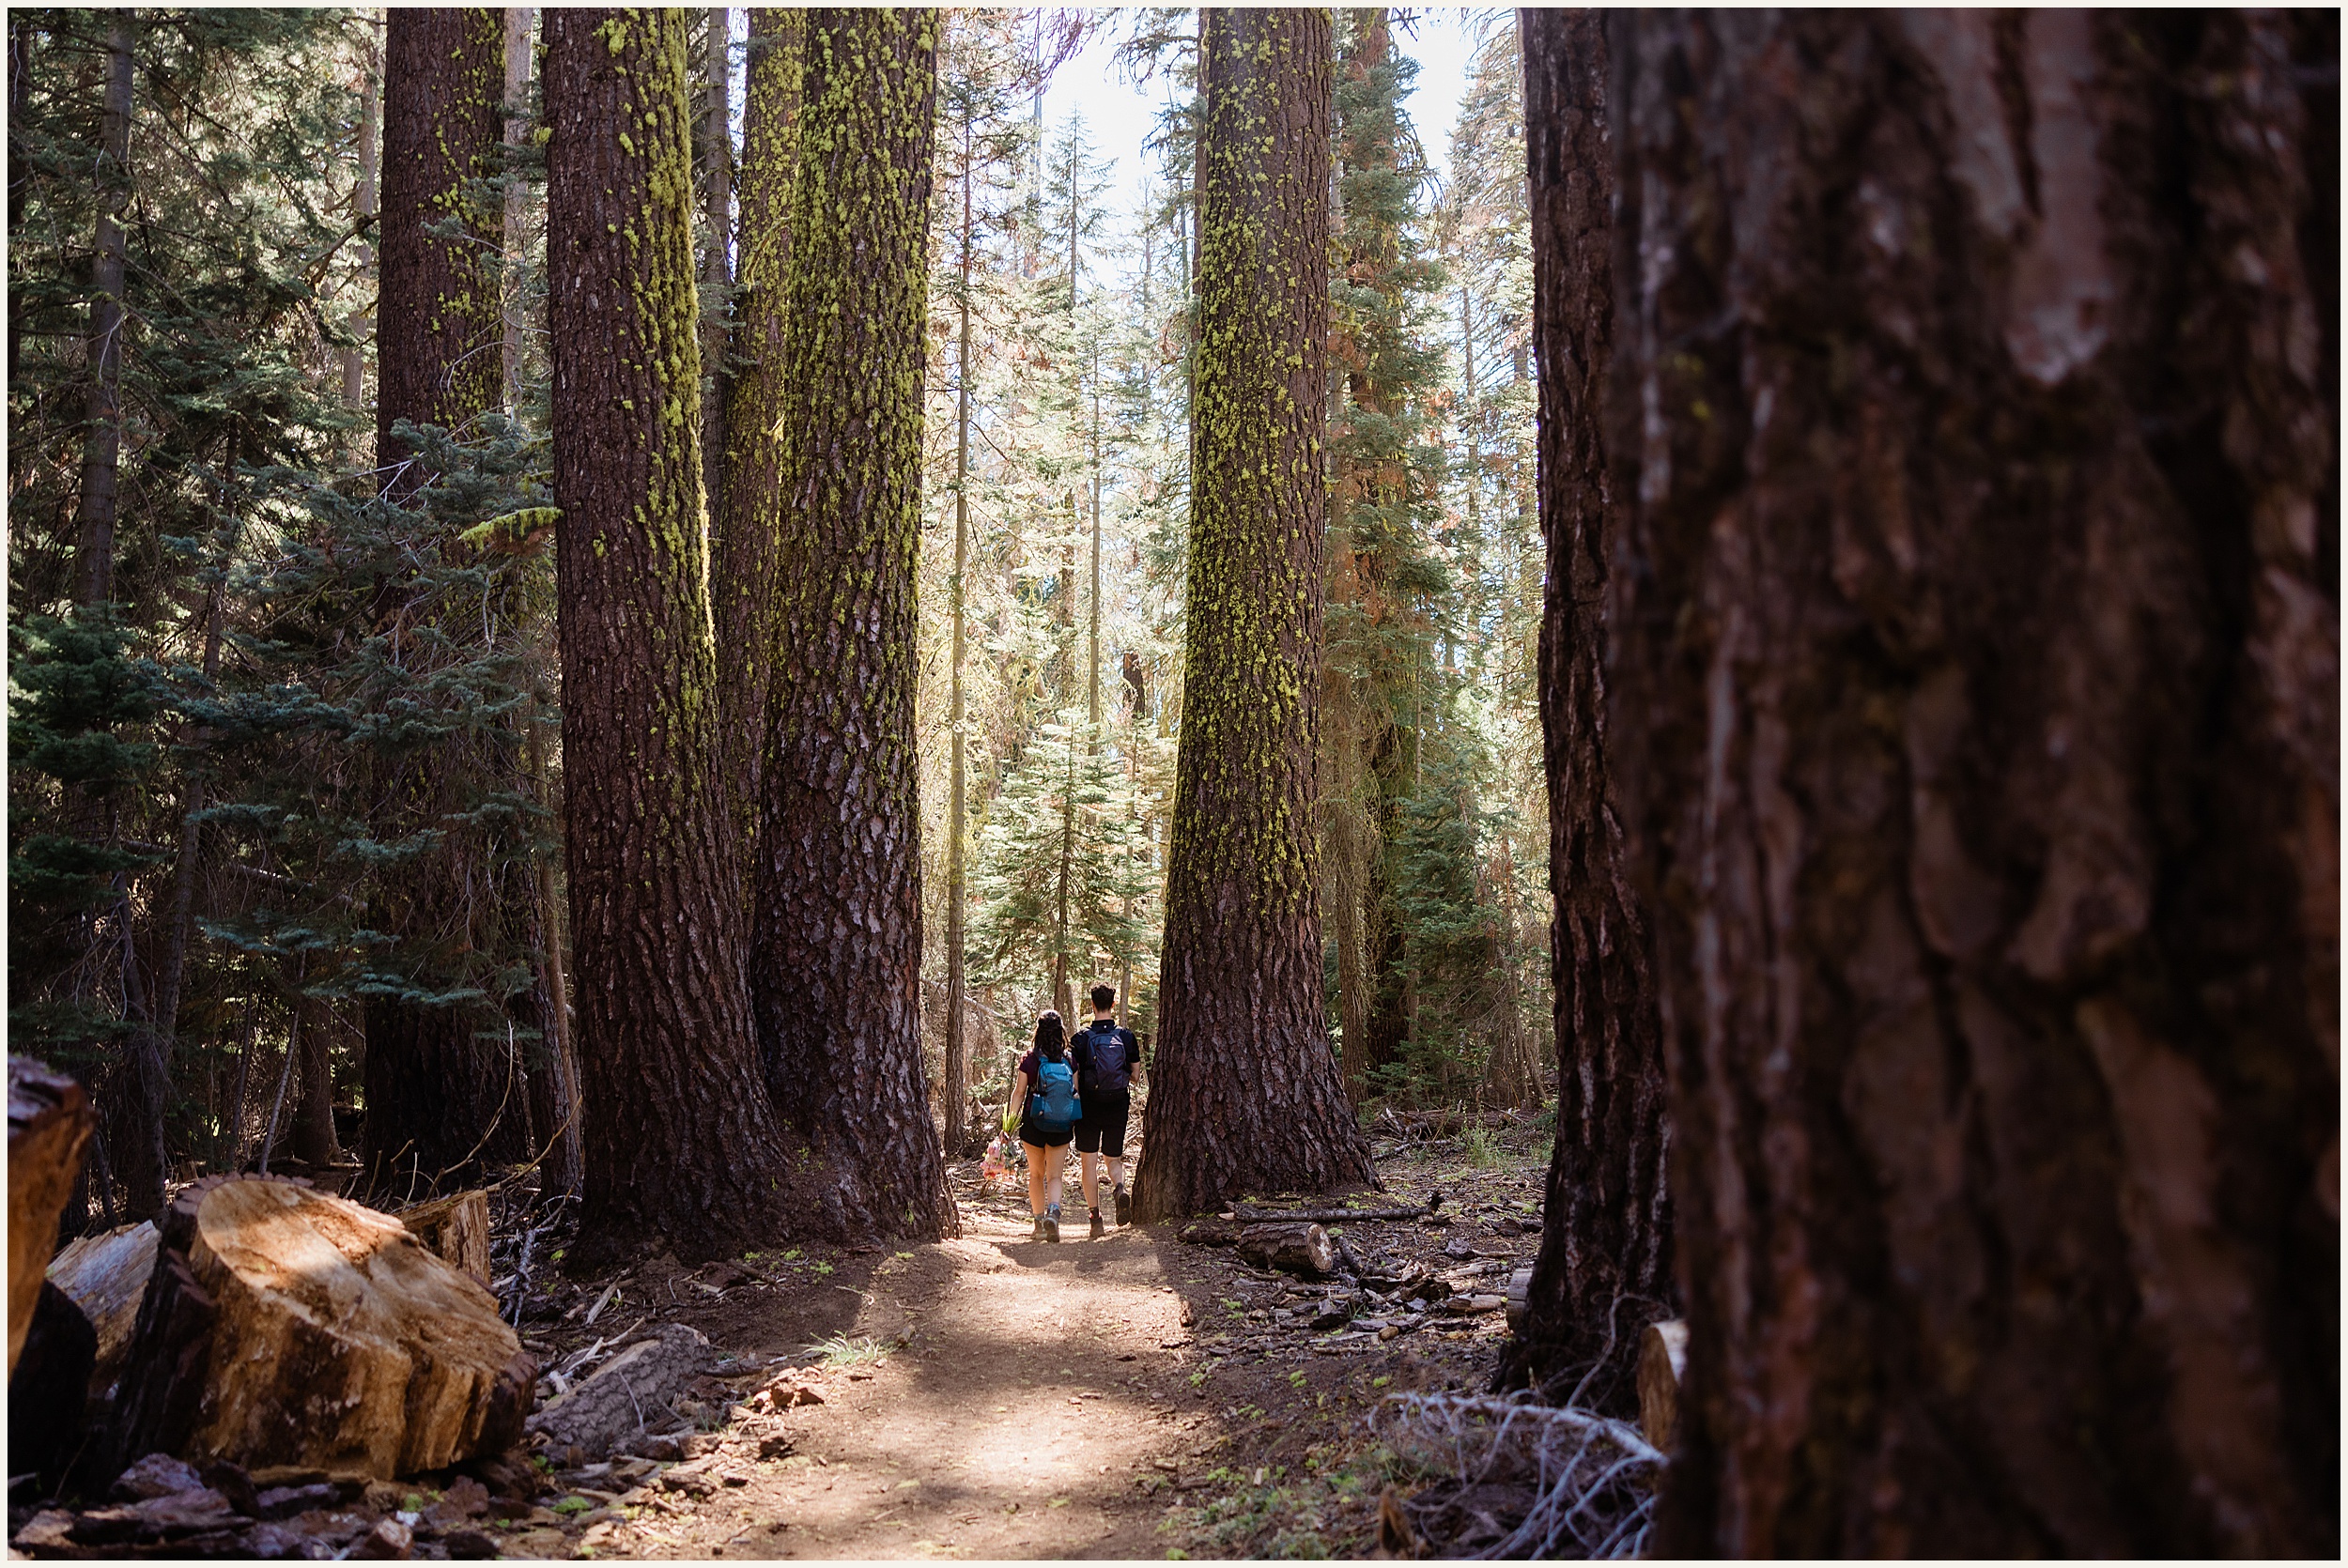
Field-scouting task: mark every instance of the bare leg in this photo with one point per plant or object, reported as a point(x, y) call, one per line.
point(1036, 1177)
point(1053, 1159)
point(1091, 1179)
point(1116, 1171)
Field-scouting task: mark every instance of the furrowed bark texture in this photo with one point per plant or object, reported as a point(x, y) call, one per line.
point(440, 341)
point(1975, 708)
point(838, 964)
point(749, 517)
point(1604, 1268)
point(681, 1141)
point(1246, 1094)
point(436, 1094)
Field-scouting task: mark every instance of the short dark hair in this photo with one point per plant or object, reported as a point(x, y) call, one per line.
point(1103, 998)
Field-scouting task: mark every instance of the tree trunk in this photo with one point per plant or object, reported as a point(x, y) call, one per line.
point(518, 24)
point(1604, 1268)
point(957, 1090)
point(101, 437)
point(440, 326)
point(566, 1162)
point(748, 512)
point(681, 1141)
point(1974, 721)
point(367, 207)
point(717, 162)
point(1245, 1093)
point(313, 1141)
point(839, 851)
point(434, 1091)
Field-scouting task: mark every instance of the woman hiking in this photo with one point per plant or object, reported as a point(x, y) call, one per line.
point(1045, 1103)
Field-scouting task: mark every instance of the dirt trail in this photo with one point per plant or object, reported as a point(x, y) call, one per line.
point(1034, 1399)
point(1038, 1385)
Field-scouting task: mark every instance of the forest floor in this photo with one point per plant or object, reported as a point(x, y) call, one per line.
point(996, 1397)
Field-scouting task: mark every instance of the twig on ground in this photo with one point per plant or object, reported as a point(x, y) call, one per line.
point(1592, 1477)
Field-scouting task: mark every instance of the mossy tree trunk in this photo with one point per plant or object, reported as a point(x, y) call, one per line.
point(682, 1143)
point(1974, 716)
point(748, 514)
point(838, 958)
point(1604, 1267)
point(1246, 1094)
point(437, 1096)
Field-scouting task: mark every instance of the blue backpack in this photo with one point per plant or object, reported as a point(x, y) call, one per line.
point(1054, 1105)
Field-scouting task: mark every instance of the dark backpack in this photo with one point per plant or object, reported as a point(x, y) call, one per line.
point(1109, 1058)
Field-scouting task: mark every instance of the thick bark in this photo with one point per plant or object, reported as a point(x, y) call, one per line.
point(681, 1140)
point(1245, 1093)
point(1604, 1267)
point(49, 1129)
point(439, 357)
point(101, 436)
point(839, 878)
point(716, 166)
point(1974, 720)
point(749, 512)
point(438, 1095)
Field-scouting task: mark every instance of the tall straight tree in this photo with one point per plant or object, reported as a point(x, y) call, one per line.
point(1245, 1093)
point(101, 437)
point(1604, 1268)
point(434, 1090)
point(748, 513)
point(838, 960)
point(1381, 576)
point(681, 1141)
point(1975, 720)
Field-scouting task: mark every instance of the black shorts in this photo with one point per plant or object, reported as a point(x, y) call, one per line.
point(1102, 1129)
point(1033, 1134)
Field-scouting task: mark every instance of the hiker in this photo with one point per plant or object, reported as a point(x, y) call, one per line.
point(1044, 1089)
point(1106, 1057)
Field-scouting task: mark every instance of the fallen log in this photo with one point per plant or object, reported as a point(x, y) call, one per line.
point(106, 1276)
point(49, 1127)
point(455, 1230)
point(1662, 1361)
point(628, 1396)
point(1295, 1249)
point(1327, 1216)
point(284, 1326)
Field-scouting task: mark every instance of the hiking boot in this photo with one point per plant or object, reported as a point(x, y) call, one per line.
point(1099, 1230)
point(1038, 1235)
point(1051, 1224)
point(1122, 1202)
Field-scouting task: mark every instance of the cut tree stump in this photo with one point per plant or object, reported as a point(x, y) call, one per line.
point(106, 1275)
point(284, 1326)
point(1296, 1248)
point(49, 1127)
point(455, 1230)
point(50, 1388)
point(1662, 1361)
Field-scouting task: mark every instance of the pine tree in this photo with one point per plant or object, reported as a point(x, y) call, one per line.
point(1973, 706)
point(1604, 1268)
point(434, 1085)
point(838, 844)
point(749, 517)
point(681, 1141)
point(1245, 1090)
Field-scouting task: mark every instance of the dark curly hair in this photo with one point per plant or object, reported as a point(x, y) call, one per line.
point(1051, 1034)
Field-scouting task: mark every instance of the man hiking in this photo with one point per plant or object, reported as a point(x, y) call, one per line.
point(1106, 1057)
